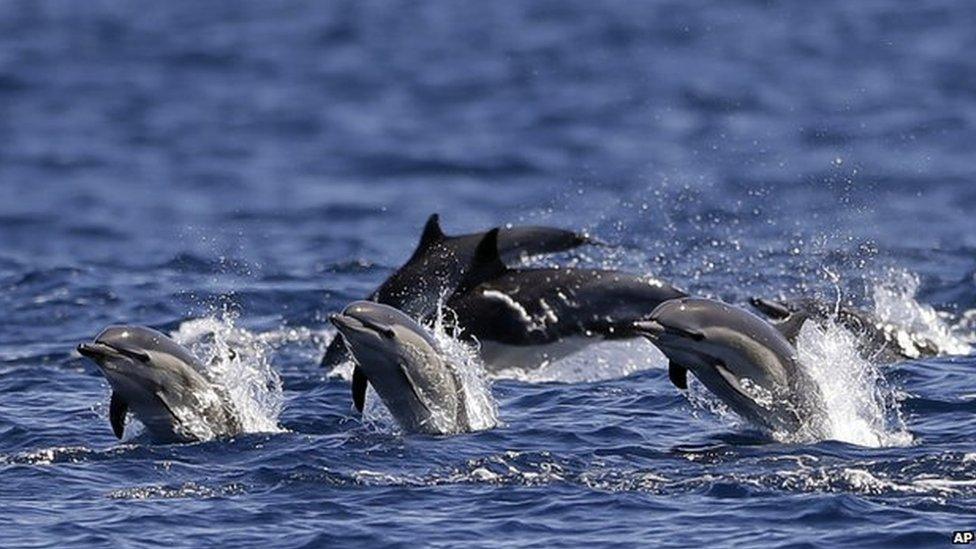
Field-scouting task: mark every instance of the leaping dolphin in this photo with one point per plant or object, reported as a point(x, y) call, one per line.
point(740, 358)
point(158, 380)
point(438, 265)
point(878, 340)
point(525, 318)
point(401, 360)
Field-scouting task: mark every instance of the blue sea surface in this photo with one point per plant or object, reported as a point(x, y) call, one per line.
point(234, 172)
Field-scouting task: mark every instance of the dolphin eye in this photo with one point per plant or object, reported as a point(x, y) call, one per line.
point(388, 333)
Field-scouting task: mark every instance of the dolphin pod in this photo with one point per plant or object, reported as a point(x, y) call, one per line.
point(439, 263)
point(516, 318)
point(159, 382)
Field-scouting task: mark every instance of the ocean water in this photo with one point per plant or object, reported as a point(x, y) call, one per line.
point(232, 173)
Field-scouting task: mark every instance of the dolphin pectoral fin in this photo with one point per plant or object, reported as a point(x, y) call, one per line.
point(359, 385)
point(413, 387)
point(790, 328)
point(117, 409)
point(678, 375)
point(730, 378)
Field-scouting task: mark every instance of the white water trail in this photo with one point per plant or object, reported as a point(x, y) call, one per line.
point(599, 361)
point(895, 301)
point(239, 362)
point(861, 408)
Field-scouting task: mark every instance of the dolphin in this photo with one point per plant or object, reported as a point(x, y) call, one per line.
point(438, 265)
point(401, 360)
point(526, 318)
point(158, 380)
point(878, 340)
point(742, 359)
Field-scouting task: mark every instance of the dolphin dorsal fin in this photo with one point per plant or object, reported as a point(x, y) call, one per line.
point(117, 408)
point(486, 264)
point(678, 375)
point(790, 328)
point(359, 385)
point(432, 235)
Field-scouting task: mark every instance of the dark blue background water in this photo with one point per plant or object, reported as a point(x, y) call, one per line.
point(161, 162)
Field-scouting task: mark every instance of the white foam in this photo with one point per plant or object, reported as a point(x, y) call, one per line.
point(239, 362)
point(861, 408)
point(895, 301)
point(599, 361)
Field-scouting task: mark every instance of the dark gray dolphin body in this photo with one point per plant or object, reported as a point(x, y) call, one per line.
point(878, 340)
point(158, 380)
point(740, 358)
point(525, 318)
point(438, 265)
point(401, 360)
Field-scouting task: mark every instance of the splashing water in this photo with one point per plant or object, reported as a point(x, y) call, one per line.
point(480, 405)
point(861, 408)
point(895, 302)
point(238, 362)
point(599, 361)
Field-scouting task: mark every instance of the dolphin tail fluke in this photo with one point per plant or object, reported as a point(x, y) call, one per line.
point(117, 410)
point(359, 385)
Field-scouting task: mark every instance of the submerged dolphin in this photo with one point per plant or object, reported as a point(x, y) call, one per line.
point(878, 340)
point(438, 265)
point(525, 318)
point(400, 359)
point(158, 380)
point(740, 358)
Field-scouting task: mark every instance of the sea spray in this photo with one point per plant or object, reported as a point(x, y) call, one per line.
point(239, 362)
point(599, 361)
point(860, 407)
point(895, 301)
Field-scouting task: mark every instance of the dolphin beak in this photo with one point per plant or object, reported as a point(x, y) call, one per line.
point(99, 351)
point(350, 322)
point(651, 329)
point(95, 351)
point(770, 308)
point(340, 321)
